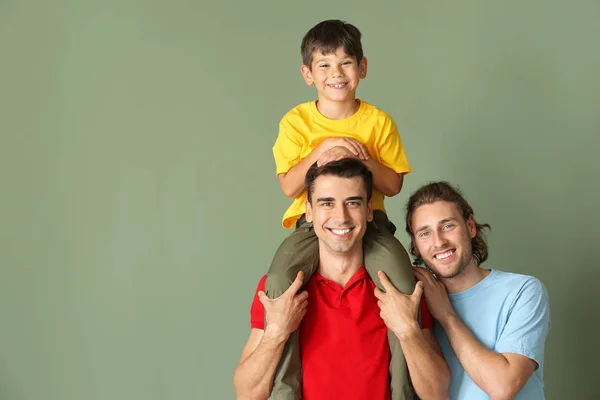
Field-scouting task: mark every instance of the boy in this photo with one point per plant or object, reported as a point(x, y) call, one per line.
point(336, 126)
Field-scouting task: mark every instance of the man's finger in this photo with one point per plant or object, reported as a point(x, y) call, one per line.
point(296, 285)
point(424, 275)
point(418, 292)
point(418, 273)
point(303, 295)
point(264, 299)
point(379, 294)
point(385, 282)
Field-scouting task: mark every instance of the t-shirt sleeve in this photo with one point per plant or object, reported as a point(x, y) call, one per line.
point(257, 311)
point(390, 148)
point(426, 318)
point(528, 323)
point(287, 148)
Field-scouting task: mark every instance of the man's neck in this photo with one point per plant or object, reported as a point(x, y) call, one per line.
point(338, 110)
point(339, 268)
point(469, 277)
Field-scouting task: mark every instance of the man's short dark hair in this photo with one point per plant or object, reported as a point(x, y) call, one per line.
point(327, 37)
point(344, 168)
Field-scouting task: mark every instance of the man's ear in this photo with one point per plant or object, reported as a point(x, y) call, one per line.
point(307, 74)
point(369, 211)
point(414, 246)
point(472, 227)
point(362, 68)
point(308, 214)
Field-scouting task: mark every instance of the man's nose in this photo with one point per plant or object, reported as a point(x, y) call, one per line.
point(439, 240)
point(341, 214)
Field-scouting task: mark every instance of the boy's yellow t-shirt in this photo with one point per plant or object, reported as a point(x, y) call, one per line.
point(303, 128)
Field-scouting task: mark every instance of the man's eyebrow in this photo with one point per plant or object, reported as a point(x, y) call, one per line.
point(425, 227)
point(320, 199)
point(447, 220)
point(351, 198)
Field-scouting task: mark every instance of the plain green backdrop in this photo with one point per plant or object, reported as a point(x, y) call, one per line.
point(139, 205)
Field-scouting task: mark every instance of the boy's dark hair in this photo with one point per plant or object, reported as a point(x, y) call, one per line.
point(443, 191)
point(327, 37)
point(344, 168)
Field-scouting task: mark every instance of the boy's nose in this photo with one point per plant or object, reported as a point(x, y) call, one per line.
point(336, 72)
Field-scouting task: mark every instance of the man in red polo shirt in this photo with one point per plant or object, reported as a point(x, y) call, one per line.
point(345, 319)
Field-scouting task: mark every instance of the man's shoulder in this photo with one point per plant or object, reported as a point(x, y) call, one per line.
point(519, 284)
point(514, 278)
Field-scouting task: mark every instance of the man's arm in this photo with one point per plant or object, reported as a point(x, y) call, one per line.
point(253, 377)
point(500, 375)
point(429, 373)
point(428, 370)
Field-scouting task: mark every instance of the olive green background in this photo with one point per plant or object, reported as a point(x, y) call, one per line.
point(139, 205)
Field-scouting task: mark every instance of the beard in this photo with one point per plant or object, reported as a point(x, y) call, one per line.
point(464, 260)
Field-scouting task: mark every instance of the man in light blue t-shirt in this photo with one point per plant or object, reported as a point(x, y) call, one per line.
point(491, 325)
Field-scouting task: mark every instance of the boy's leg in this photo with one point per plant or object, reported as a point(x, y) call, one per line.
point(298, 252)
point(384, 252)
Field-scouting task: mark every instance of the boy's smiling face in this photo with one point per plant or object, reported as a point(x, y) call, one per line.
point(336, 75)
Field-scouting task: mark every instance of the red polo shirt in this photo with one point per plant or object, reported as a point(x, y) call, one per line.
point(343, 340)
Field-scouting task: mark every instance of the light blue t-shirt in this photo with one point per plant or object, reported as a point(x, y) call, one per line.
point(508, 313)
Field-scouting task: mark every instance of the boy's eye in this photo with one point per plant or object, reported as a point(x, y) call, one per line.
point(347, 62)
point(324, 65)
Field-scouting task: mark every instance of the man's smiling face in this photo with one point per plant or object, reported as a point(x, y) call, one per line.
point(339, 212)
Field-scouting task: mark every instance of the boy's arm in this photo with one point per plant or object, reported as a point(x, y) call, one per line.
point(385, 179)
point(390, 164)
point(292, 182)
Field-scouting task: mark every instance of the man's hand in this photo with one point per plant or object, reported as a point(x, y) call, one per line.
point(334, 154)
point(354, 146)
point(398, 310)
point(283, 314)
point(435, 295)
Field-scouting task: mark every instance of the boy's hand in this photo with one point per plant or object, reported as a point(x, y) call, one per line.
point(283, 314)
point(354, 146)
point(334, 154)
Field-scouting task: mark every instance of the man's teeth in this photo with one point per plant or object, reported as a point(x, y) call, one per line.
point(340, 231)
point(442, 256)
